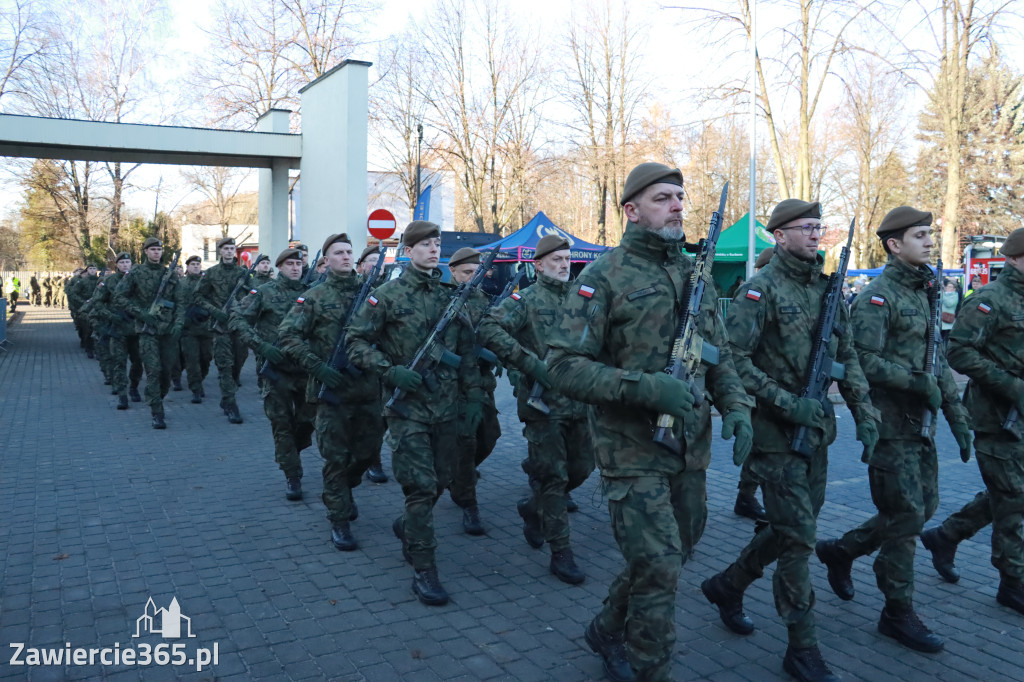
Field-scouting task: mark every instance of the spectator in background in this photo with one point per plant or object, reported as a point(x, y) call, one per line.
point(735, 285)
point(975, 285)
point(947, 308)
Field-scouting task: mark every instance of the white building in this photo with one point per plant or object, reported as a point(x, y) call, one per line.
point(201, 240)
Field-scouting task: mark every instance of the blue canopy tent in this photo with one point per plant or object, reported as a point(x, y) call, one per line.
point(521, 244)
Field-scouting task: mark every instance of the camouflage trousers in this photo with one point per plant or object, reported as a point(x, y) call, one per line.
point(793, 487)
point(101, 347)
point(656, 521)
point(122, 350)
point(157, 353)
point(197, 352)
point(1002, 504)
point(473, 449)
point(229, 354)
point(84, 329)
point(904, 479)
point(291, 420)
point(747, 484)
point(560, 459)
point(424, 462)
point(349, 437)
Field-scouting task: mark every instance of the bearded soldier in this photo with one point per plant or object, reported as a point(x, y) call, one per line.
point(987, 344)
point(611, 350)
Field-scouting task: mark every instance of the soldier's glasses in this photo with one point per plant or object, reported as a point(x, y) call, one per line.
point(807, 229)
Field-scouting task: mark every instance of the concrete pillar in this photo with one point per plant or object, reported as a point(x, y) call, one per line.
point(273, 203)
point(335, 117)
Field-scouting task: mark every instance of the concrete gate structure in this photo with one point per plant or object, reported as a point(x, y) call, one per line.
point(330, 154)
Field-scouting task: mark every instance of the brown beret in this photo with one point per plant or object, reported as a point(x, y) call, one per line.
point(1014, 244)
point(124, 255)
point(550, 243)
point(301, 247)
point(366, 252)
point(647, 174)
point(418, 230)
point(793, 209)
point(152, 241)
point(764, 257)
point(464, 256)
point(901, 218)
point(226, 241)
point(286, 254)
point(190, 259)
point(340, 237)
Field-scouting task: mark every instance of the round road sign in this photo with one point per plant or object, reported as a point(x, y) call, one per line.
point(381, 223)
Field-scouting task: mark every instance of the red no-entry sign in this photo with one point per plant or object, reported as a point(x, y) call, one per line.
point(381, 223)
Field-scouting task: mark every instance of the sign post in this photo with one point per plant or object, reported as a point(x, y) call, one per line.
point(381, 224)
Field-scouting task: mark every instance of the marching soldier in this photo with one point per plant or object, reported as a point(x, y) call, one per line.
point(79, 291)
point(365, 264)
point(771, 323)
point(157, 322)
point(383, 338)
point(560, 454)
point(610, 350)
point(229, 352)
point(985, 344)
point(256, 321)
point(350, 430)
point(262, 274)
point(196, 336)
point(119, 329)
point(892, 324)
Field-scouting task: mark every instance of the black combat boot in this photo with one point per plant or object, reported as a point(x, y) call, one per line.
point(1011, 594)
point(563, 567)
point(133, 393)
point(427, 586)
point(398, 528)
point(158, 419)
point(293, 489)
point(729, 601)
point(900, 622)
point(106, 382)
point(570, 504)
point(612, 650)
point(113, 391)
point(471, 521)
point(748, 507)
point(122, 402)
point(839, 565)
point(341, 536)
point(531, 524)
point(943, 553)
point(807, 665)
point(354, 514)
point(196, 397)
point(176, 384)
point(375, 474)
point(231, 410)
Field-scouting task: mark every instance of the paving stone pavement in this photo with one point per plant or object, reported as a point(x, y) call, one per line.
point(101, 513)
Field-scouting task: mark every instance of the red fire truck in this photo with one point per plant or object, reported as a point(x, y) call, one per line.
point(981, 257)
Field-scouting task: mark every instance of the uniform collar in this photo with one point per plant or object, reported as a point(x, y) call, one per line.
point(292, 284)
point(555, 285)
point(424, 279)
point(797, 268)
point(342, 281)
point(908, 275)
point(650, 246)
point(1012, 278)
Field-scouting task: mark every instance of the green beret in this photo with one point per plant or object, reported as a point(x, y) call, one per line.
point(764, 257)
point(550, 243)
point(152, 241)
point(124, 255)
point(418, 230)
point(793, 209)
point(191, 259)
point(226, 241)
point(647, 174)
point(901, 218)
point(1014, 244)
point(464, 256)
point(286, 254)
point(340, 237)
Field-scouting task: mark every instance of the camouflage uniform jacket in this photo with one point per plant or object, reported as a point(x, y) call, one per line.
point(259, 280)
point(197, 318)
point(619, 323)
point(771, 323)
point(987, 344)
point(136, 292)
point(81, 289)
point(394, 322)
point(310, 331)
point(891, 322)
point(519, 328)
point(66, 287)
point(257, 317)
point(108, 318)
point(216, 285)
point(477, 306)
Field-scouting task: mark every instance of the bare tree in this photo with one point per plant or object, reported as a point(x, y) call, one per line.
point(22, 40)
point(221, 187)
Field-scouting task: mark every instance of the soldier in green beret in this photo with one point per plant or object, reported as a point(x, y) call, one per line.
point(196, 337)
point(79, 291)
point(891, 327)
point(263, 273)
point(985, 344)
point(365, 264)
point(119, 331)
point(771, 325)
point(610, 349)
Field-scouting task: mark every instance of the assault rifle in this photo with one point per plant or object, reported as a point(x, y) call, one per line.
point(244, 279)
point(821, 370)
point(339, 356)
point(483, 353)
point(159, 301)
point(432, 352)
point(1012, 423)
point(932, 364)
point(689, 348)
point(311, 270)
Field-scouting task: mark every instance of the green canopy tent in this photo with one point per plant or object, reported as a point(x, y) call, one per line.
point(731, 255)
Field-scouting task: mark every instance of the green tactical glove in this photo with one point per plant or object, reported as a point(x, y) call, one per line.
point(661, 393)
point(536, 368)
point(927, 386)
point(805, 412)
point(964, 439)
point(498, 370)
point(176, 332)
point(149, 319)
point(221, 316)
point(472, 415)
point(404, 378)
point(737, 422)
point(272, 353)
point(328, 376)
point(867, 434)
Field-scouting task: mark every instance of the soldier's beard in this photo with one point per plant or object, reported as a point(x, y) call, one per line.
point(670, 233)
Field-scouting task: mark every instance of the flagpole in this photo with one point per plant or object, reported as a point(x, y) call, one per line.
point(419, 168)
point(753, 143)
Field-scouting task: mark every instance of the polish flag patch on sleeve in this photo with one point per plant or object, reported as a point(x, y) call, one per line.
point(372, 300)
point(585, 291)
point(754, 295)
point(878, 300)
point(300, 300)
point(252, 291)
point(516, 297)
point(985, 308)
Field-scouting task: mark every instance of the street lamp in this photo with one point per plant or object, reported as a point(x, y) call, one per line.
point(419, 170)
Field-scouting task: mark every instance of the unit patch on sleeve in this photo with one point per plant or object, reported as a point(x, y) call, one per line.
point(585, 291)
point(878, 300)
point(372, 300)
point(985, 308)
point(754, 295)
